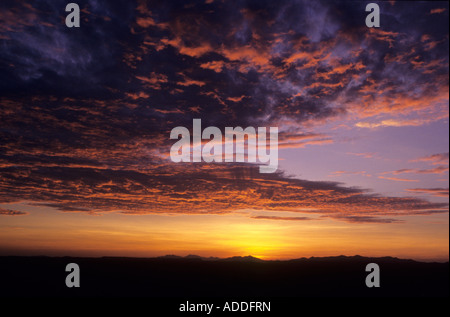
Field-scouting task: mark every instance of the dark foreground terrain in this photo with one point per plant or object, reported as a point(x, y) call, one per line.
point(237, 277)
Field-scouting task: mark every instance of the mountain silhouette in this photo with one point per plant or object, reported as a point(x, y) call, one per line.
point(239, 276)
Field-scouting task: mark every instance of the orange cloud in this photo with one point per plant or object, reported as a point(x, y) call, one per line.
point(393, 123)
point(248, 55)
point(236, 99)
point(192, 51)
point(145, 22)
point(190, 82)
point(300, 140)
point(381, 35)
point(435, 159)
point(154, 81)
point(138, 95)
point(338, 173)
point(216, 66)
point(437, 10)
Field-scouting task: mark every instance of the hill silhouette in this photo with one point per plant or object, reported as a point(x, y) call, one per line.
point(195, 276)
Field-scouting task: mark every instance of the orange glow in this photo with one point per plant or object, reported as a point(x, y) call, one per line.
point(56, 233)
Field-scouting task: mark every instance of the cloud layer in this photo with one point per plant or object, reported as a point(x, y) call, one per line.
point(86, 113)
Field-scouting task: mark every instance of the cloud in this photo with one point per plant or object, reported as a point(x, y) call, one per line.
point(437, 170)
point(367, 219)
point(194, 189)
point(9, 212)
point(339, 173)
point(393, 123)
point(365, 155)
point(137, 95)
point(304, 143)
point(192, 51)
point(283, 218)
point(236, 99)
point(190, 82)
point(345, 218)
point(216, 66)
point(300, 140)
point(435, 159)
point(398, 179)
point(288, 70)
point(438, 10)
point(154, 80)
point(86, 114)
point(438, 192)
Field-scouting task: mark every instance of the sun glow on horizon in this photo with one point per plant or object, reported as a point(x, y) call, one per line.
point(215, 235)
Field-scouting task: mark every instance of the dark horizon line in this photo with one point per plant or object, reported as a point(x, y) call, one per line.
point(246, 258)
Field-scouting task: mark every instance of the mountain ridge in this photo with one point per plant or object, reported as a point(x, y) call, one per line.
point(239, 258)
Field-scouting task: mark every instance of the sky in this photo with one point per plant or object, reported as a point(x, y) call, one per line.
point(362, 117)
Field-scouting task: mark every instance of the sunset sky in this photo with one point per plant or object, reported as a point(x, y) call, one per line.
point(362, 115)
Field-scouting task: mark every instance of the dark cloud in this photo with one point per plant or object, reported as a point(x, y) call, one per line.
point(282, 218)
point(437, 170)
point(201, 188)
point(438, 192)
point(9, 212)
point(288, 59)
point(367, 219)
